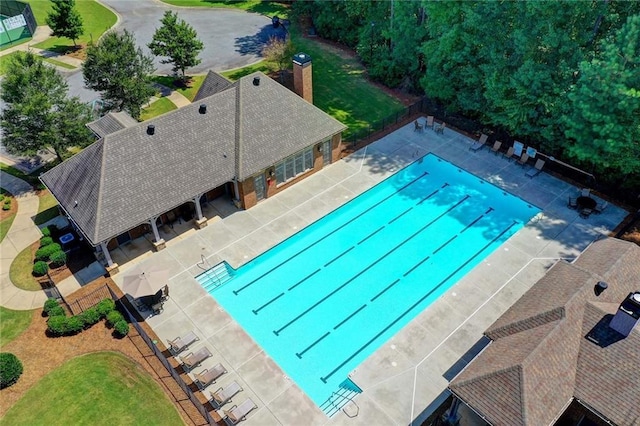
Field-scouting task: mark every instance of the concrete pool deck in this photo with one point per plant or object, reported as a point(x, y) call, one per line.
point(406, 378)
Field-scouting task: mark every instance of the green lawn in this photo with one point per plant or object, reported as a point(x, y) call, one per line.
point(102, 388)
point(189, 92)
point(20, 271)
point(268, 8)
point(12, 323)
point(264, 66)
point(96, 19)
point(157, 108)
point(47, 208)
point(59, 63)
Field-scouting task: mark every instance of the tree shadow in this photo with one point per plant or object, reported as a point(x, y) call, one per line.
point(253, 44)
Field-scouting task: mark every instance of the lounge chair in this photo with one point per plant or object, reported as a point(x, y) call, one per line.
point(224, 395)
point(208, 376)
point(236, 414)
point(417, 126)
point(509, 154)
point(194, 359)
point(585, 192)
point(430, 122)
point(440, 128)
point(165, 293)
point(573, 203)
point(600, 207)
point(536, 169)
point(179, 344)
point(496, 147)
point(585, 213)
point(523, 159)
point(478, 145)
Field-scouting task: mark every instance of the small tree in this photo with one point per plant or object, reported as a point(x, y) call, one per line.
point(280, 51)
point(65, 21)
point(120, 71)
point(38, 114)
point(177, 40)
point(10, 369)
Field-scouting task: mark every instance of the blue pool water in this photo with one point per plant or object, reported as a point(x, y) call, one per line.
point(323, 300)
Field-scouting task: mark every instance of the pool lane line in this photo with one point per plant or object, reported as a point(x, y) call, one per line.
point(415, 266)
point(255, 311)
point(385, 289)
point(472, 223)
point(400, 215)
point(433, 193)
point(236, 292)
point(339, 256)
point(299, 354)
point(350, 316)
point(309, 309)
point(384, 330)
point(304, 279)
point(370, 235)
point(445, 244)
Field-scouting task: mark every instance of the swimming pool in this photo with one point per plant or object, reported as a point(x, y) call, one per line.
point(323, 300)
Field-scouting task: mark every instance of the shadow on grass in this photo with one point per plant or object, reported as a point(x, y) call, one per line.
point(46, 215)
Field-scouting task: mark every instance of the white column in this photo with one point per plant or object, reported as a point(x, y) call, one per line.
point(105, 251)
point(198, 208)
point(154, 227)
point(235, 189)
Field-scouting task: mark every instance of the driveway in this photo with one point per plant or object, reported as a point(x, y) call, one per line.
point(232, 38)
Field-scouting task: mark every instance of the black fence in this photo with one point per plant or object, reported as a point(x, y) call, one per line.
point(165, 362)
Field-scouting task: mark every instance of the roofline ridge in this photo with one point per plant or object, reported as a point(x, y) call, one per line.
point(490, 374)
point(540, 315)
point(100, 192)
point(238, 132)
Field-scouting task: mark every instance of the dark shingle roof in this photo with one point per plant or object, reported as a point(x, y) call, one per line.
point(129, 176)
point(212, 84)
point(540, 356)
point(111, 123)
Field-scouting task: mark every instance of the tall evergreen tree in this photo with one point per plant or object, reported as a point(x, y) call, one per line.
point(64, 20)
point(178, 41)
point(37, 114)
point(120, 72)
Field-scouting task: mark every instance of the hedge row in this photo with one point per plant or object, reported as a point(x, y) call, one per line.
point(59, 324)
point(49, 254)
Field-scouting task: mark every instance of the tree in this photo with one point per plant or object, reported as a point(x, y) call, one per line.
point(64, 20)
point(177, 40)
point(280, 51)
point(120, 72)
point(604, 125)
point(37, 114)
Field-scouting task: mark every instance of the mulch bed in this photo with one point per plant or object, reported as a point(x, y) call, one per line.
point(14, 207)
point(41, 355)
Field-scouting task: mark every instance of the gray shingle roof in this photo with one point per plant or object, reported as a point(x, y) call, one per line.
point(212, 84)
point(540, 358)
point(111, 123)
point(129, 176)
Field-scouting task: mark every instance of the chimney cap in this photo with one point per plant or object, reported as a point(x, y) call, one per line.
point(151, 129)
point(203, 109)
point(256, 80)
point(301, 58)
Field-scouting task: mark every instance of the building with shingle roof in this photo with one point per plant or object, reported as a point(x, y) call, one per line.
point(555, 353)
point(111, 123)
point(251, 139)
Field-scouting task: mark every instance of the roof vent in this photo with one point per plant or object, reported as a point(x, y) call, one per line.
point(256, 81)
point(203, 109)
point(600, 287)
point(151, 129)
point(628, 315)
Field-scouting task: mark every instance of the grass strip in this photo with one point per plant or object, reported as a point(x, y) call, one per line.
point(103, 388)
point(13, 323)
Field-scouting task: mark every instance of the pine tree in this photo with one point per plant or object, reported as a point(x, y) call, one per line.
point(64, 20)
point(178, 41)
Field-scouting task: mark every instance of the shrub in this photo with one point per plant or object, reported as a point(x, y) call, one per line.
point(46, 232)
point(45, 241)
point(105, 306)
point(1, 197)
point(10, 369)
point(6, 206)
point(58, 259)
point(121, 328)
point(45, 253)
point(90, 317)
point(113, 317)
point(49, 304)
point(57, 311)
point(40, 268)
point(74, 325)
point(57, 325)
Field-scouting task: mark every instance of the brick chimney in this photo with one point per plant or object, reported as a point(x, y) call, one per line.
point(302, 76)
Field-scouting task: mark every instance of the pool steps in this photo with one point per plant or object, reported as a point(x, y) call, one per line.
point(216, 276)
point(341, 397)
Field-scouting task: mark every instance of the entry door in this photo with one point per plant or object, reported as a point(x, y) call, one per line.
point(326, 153)
point(261, 191)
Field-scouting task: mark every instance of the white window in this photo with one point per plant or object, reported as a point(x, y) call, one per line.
point(295, 165)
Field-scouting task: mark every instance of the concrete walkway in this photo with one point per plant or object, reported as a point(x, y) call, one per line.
point(23, 233)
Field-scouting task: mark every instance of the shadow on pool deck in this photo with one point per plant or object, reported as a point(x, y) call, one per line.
point(406, 378)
